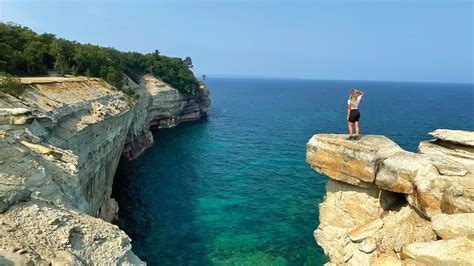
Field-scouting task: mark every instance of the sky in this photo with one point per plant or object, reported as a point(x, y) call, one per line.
point(430, 41)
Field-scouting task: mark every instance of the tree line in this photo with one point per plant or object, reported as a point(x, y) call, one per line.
point(24, 52)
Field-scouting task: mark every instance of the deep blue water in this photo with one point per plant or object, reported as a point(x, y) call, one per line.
point(234, 189)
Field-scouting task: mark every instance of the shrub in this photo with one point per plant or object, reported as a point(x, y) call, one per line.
point(11, 85)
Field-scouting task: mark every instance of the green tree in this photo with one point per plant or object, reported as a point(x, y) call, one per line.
point(188, 62)
point(23, 52)
point(6, 57)
point(114, 77)
point(63, 52)
point(34, 57)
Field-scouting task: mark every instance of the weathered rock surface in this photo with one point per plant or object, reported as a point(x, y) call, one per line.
point(42, 233)
point(432, 183)
point(465, 138)
point(449, 226)
point(458, 251)
point(380, 214)
point(352, 219)
point(161, 106)
point(61, 141)
point(351, 162)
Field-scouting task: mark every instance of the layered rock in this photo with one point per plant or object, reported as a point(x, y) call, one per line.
point(380, 198)
point(71, 139)
point(61, 141)
point(43, 233)
point(161, 106)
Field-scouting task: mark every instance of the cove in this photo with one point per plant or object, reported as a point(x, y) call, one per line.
point(234, 188)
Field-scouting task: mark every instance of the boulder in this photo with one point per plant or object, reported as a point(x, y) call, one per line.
point(454, 152)
point(368, 245)
point(462, 137)
point(449, 226)
point(365, 230)
point(432, 183)
point(458, 251)
point(345, 207)
point(459, 197)
point(352, 219)
point(384, 203)
point(352, 162)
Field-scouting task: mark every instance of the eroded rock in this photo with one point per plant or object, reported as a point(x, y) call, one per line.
point(458, 251)
point(160, 106)
point(350, 215)
point(449, 226)
point(352, 162)
point(455, 136)
point(44, 233)
point(60, 146)
point(356, 229)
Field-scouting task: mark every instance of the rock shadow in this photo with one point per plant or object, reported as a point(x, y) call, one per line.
point(157, 198)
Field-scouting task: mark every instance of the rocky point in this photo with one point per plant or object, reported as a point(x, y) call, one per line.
point(388, 206)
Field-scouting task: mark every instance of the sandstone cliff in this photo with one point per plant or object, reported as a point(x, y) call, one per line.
point(387, 206)
point(61, 141)
point(160, 106)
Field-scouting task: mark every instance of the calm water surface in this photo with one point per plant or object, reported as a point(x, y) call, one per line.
point(234, 189)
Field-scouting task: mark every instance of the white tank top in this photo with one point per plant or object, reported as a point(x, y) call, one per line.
point(356, 104)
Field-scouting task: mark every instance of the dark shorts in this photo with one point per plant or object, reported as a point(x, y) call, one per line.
point(354, 115)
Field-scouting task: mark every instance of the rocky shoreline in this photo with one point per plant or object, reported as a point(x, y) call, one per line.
point(61, 141)
point(388, 206)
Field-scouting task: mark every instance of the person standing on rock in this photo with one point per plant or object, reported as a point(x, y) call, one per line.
point(353, 114)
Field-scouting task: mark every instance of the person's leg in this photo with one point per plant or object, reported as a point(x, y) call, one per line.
point(349, 126)
point(357, 128)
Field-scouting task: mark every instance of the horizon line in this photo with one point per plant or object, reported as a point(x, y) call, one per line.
point(238, 76)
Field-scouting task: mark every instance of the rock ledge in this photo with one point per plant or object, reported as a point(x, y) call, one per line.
point(388, 206)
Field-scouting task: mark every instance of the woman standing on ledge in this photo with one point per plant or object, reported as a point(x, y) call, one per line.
point(353, 114)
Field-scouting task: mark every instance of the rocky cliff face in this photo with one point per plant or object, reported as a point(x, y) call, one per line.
point(387, 206)
point(160, 106)
point(61, 141)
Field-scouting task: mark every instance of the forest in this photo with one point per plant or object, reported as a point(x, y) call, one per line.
point(26, 53)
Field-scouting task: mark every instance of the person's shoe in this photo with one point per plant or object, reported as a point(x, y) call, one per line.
point(356, 137)
point(350, 138)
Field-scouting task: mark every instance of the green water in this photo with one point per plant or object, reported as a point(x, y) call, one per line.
point(234, 189)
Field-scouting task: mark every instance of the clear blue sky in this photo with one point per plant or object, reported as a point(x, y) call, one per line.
point(365, 40)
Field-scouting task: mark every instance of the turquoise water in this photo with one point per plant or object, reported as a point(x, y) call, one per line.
point(234, 188)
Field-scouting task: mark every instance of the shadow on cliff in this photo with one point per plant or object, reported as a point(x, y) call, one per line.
point(157, 198)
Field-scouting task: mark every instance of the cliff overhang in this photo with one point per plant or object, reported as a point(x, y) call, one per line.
point(388, 205)
point(61, 141)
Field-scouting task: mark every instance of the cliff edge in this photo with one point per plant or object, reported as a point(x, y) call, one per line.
point(388, 206)
point(61, 141)
point(160, 106)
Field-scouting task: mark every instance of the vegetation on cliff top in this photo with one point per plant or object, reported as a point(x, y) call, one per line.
point(11, 85)
point(24, 52)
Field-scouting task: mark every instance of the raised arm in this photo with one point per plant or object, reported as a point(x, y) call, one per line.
point(361, 93)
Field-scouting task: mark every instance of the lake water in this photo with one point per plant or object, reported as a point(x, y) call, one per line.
point(234, 188)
